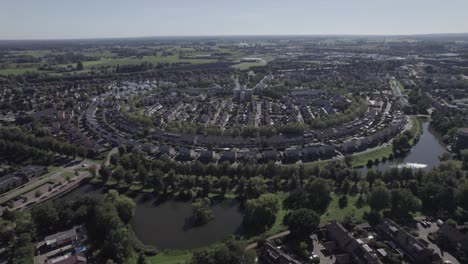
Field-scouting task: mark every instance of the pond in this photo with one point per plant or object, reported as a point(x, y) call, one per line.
point(167, 225)
point(426, 152)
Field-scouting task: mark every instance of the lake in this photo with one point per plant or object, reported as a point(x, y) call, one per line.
point(167, 225)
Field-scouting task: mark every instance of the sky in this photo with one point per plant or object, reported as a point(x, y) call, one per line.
point(65, 19)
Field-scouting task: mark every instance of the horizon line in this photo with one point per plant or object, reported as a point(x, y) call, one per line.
point(237, 35)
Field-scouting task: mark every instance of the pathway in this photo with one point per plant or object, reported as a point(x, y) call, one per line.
point(275, 236)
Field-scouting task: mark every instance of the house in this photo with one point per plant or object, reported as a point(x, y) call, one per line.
point(270, 155)
point(166, 150)
point(206, 155)
point(70, 259)
point(456, 236)
point(460, 140)
point(269, 254)
point(61, 239)
point(21, 176)
point(350, 250)
point(9, 182)
point(31, 171)
point(327, 151)
point(292, 154)
point(230, 156)
point(414, 249)
point(185, 154)
point(310, 153)
point(242, 94)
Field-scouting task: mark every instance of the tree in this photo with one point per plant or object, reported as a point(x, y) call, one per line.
point(379, 198)
point(79, 66)
point(46, 218)
point(260, 213)
point(201, 211)
point(296, 199)
point(404, 203)
point(463, 196)
point(141, 258)
point(255, 187)
point(117, 246)
point(318, 192)
point(302, 222)
point(231, 252)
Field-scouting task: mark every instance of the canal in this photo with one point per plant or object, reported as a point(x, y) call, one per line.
point(425, 153)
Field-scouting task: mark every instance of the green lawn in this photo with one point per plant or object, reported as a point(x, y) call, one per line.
point(149, 59)
point(171, 257)
point(416, 128)
point(360, 159)
point(67, 174)
point(334, 212)
point(17, 71)
point(247, 65)
point(111, 62)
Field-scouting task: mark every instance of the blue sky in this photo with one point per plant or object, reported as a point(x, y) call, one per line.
point(57, 19)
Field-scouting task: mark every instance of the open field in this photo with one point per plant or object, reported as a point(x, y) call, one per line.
point(247, 65)
point(334, 212)
point(171, 257)
point(106, 61)
point(360, 159)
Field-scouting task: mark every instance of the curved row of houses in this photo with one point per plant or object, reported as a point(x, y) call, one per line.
point(186, 147)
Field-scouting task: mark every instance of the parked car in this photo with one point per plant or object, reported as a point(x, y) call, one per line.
point(439, 222)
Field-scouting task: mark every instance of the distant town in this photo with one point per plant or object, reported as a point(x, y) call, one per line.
point(255, 149)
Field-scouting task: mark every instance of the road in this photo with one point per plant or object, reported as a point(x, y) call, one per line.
point(275, 236)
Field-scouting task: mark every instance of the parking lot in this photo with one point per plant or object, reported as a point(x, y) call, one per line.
point(423, 232)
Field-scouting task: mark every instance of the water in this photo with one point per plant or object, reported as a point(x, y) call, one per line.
point(168, 226)
point(427, 151)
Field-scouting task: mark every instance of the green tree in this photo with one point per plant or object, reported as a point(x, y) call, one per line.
point(201, 211)
point(260, 213)
point(255, 186)
point(404, 202)
point(117, 246)
point(379, 198)
point(302, 223)
point(463, 196)
point(79, 66)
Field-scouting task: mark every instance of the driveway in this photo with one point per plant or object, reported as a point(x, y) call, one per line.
point(319, 249)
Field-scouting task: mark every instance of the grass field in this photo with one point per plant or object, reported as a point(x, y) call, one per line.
point(111, 62)
point(334, 212)
point(416, 128)
point(247, 65)
point(170, 257)
point(360, 159)
point(17, 71)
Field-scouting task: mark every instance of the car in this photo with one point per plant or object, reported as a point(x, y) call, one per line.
point(84, 165)
point(439, 222)
point(447, 262)
point(422, 223)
